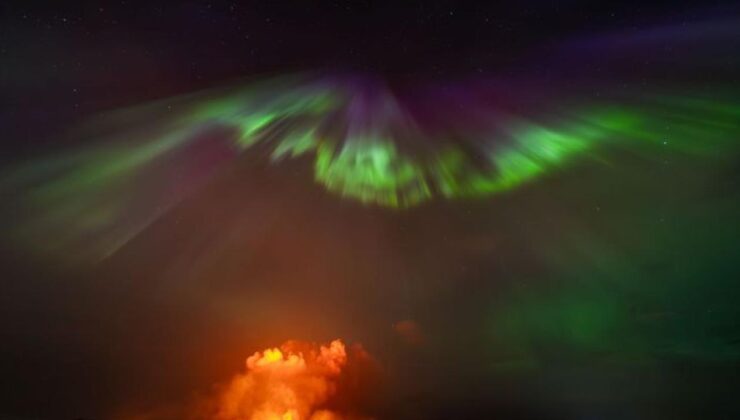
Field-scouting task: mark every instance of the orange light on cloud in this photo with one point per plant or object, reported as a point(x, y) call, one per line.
point(292, 382)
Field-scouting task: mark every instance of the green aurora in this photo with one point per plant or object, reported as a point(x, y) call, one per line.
point(370, 151)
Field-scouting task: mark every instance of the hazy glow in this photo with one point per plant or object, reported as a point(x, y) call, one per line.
point(292, 382)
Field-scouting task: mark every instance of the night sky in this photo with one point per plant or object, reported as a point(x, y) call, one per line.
point(520, 210)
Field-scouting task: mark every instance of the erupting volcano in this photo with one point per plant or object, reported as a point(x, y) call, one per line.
point(297, 381)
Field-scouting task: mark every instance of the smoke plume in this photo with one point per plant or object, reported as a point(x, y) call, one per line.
point(297, 381)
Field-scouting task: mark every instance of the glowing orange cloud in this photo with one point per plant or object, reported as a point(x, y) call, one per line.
point(296, 381)
point(292, 382)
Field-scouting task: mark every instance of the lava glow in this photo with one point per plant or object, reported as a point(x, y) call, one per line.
point(292, 382)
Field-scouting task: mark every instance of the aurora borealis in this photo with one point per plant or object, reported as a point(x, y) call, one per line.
point(233, 211)
point(362, 144)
